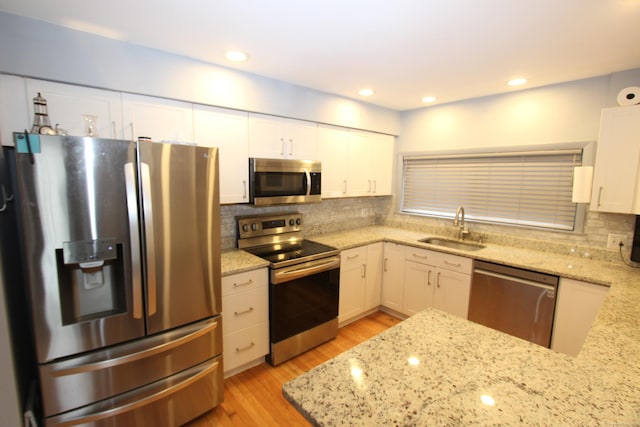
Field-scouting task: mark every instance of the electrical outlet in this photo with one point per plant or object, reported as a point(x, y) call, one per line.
point(613, 240)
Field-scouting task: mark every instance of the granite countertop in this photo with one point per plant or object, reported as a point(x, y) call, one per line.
point(437, 369)
point(238, 261)
point(459, 360)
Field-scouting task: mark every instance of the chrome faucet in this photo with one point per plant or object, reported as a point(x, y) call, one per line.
point(459, 222)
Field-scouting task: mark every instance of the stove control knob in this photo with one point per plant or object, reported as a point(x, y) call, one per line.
point(245, 227)
point(298, 221)
point(291, 222)
point(254, 226)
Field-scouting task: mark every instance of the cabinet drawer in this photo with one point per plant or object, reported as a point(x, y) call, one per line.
point(454, 263)
point(245, 345)
point(245, 309)
point(422, 256)
point(242, 282)
point(353, 256)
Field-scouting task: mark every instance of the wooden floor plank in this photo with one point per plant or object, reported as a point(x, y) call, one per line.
point(254, 397)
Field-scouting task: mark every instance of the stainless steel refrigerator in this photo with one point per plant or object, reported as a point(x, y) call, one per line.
point(122, 252)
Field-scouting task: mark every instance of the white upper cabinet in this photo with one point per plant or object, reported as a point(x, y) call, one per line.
point(157, 118)
point(276, 137)
point(355, 163)
point(358, 157)
point(227, 130)
point(79, 110)
point(381, 164)
point(333, 145)
point(616, 186)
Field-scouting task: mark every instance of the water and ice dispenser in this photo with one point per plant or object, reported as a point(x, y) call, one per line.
point(91, 279)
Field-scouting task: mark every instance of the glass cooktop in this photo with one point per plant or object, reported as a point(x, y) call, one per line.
point(301, 251)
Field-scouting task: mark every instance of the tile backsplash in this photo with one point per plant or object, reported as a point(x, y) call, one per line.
point(328, 216)
point(334, 215)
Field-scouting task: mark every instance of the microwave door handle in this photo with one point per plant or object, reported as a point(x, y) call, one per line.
point(306, 172)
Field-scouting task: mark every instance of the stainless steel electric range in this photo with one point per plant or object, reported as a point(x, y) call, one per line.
point(304, 282)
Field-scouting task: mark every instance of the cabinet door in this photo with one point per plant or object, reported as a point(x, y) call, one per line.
point(419, 282)
point(615, 181)
point(373, 284)
point(352, 283)
point(577, 306)
point(227, 130)
point(158, 119)
point(381, 167)
point(301, 139)
point(393, 276)
point(266, 137)
point(276, 137)
point(358, 174)
point(69, 106)
point(333, 148)
point(14, 111)
point(452, 291)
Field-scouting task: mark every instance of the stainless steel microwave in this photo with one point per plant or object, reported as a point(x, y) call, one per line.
point(283, 181)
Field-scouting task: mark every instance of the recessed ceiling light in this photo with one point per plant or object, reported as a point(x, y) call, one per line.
point(429, 99)
point(236, 56)
point(366, 92)
point(517, 82)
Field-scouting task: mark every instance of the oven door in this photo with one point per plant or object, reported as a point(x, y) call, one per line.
point(303, 296)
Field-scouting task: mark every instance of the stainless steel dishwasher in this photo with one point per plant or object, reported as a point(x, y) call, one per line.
point(515, 301)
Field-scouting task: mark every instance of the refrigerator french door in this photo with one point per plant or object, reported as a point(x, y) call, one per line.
point(121, 248)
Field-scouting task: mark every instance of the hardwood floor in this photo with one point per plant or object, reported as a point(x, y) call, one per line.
point(254, 397)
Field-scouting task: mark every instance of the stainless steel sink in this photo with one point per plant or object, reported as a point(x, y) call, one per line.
point(453, 244)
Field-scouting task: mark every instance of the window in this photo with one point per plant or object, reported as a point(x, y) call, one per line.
point(519, 188)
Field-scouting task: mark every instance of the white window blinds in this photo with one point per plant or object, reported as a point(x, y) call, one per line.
point(526, 188)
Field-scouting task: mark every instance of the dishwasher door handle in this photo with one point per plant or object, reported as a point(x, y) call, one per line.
point(515, 279)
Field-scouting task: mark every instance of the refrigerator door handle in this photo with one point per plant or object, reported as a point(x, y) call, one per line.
point(147, 203)
point(139, 355)
point(134, 238)
point(128, 407)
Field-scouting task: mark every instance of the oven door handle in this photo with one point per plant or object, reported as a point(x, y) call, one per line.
point(306, 269)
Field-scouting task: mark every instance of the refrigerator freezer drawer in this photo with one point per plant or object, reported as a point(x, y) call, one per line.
point(169, 402)
point(99, 375)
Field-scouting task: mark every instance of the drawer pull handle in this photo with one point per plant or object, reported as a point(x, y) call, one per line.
point(420, 256)
point(353, 256)
point(453, 264)
point(245, 348)
point(240, 313)
point(237, 285)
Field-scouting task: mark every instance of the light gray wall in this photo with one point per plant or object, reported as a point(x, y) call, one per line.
point(41, 50)
point(539, 117)
point(568, 112)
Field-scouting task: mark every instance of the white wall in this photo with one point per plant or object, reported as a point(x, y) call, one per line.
point(37, 49)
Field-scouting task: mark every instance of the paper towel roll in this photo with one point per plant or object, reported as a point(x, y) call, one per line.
point(582, 177)
point(629, 96)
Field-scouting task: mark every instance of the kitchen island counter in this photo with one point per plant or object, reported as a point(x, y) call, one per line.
point(437, 369)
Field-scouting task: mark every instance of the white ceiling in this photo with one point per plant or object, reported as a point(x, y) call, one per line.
point(403, 49)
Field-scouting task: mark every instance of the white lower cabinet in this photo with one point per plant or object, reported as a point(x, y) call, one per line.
point(245, 320)
point(393, 276)
point(360, 281)
point(436, 279)
point(577, 306)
